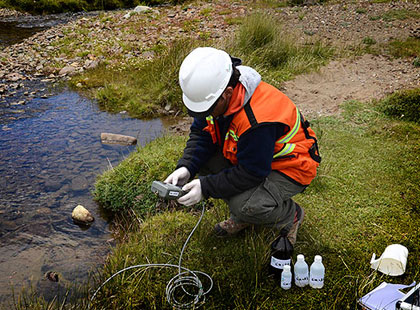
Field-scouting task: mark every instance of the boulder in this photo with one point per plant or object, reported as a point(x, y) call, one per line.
point(137, 9)
point(91, 64)
point(81, 215)
point(112, 138)
point(67, 70)
point(141, 8)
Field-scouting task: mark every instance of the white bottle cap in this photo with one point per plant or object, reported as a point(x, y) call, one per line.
point(286, 268)
point(318, 258)
point(300, 257)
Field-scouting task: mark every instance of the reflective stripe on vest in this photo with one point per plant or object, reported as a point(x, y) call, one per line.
point(289, 147)
point(232, 134)
point(210, 119)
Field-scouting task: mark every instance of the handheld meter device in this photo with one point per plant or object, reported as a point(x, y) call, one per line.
point(166, 190)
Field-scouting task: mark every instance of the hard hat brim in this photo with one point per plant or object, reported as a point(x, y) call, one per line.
point(204, 113)
point(197, 106)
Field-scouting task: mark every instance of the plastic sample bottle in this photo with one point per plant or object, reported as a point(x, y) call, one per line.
point(286, 278)
point(281, 255)
point(301, 271)
point(317, 272)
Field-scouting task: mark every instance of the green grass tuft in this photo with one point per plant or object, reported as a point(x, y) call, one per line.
point(128, 185)
point(369, 41)
point(403, 105)
point(263, 44)
point(407, 48)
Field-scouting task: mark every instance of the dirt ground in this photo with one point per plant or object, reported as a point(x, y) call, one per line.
point(362, 78)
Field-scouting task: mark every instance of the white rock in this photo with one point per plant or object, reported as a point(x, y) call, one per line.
point(138, 9)
point(82, 215)
point(112, 138)
point(141, 8)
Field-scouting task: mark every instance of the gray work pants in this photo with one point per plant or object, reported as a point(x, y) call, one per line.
point(268, 204)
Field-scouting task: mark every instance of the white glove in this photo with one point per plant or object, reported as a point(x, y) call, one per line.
point(179, 177)
point(194, 194)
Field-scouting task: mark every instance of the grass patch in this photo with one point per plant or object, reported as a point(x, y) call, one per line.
point(368, 41)
point(403, 105)
point(142, 90)
point(361, 11)
point(363, 199)
point(407, 48)
point(401, 14)
point(128, 185)
point(263, 44)
point(234, 20)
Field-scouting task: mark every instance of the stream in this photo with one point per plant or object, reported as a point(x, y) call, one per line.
point(50, 156)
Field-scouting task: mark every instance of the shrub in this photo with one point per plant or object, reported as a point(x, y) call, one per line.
point(404, 105)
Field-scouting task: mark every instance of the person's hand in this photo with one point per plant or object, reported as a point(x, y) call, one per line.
point(194, 194)
point(179, 177)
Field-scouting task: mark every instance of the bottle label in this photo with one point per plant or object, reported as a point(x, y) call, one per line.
point(317, 280)
point(279, 263)
point(301, 279)
point(286, 284)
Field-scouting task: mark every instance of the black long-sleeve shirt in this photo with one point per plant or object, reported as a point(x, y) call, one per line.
point(254, 154)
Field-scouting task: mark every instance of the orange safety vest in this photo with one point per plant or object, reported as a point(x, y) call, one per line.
point(295, 153)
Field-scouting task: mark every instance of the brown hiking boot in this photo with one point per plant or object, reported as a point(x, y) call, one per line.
point(292, 234)
point(228, 227)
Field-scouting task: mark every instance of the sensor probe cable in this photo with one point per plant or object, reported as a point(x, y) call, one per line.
point(184, 278)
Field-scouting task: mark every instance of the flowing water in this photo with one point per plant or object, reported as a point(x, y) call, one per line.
point(14, 29)
point(49, 158)
point(14, 32)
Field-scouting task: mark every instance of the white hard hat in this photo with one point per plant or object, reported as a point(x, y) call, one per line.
point(203, 76)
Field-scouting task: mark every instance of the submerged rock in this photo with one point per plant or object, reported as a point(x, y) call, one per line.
point(79, 183)
point(81, 215)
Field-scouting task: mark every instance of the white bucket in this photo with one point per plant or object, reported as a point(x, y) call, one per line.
point(392, 261)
